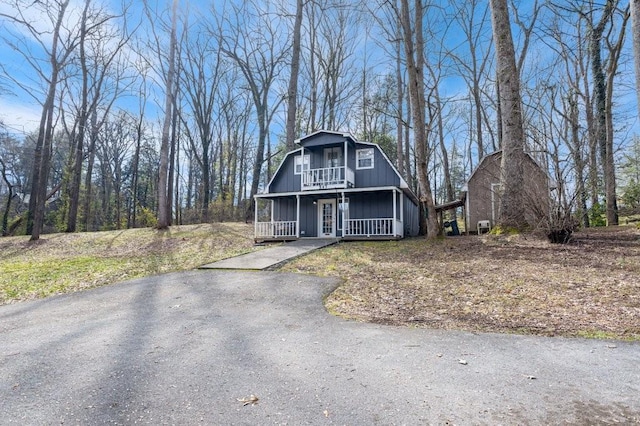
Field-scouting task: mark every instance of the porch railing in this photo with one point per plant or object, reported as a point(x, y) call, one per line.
point(328, 177)
point(372, 227)
point(276, 229)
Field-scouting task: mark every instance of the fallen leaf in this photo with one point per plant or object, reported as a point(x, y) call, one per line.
point(253, 400)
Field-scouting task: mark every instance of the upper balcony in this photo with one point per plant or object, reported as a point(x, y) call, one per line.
point(328, 178)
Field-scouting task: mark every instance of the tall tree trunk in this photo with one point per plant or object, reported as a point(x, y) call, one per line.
point(600, 95)
point(88, 179)
point(512, 202)
point(41, 163)
point(400, 100)
point(163, 207)
point(172, 158)
point(76, 174)
point(615, 49)
point(634, 6)
point(415, 69)
point(292, 92)
point(7, 209)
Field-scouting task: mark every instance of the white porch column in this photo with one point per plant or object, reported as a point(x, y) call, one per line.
point(297, 215)
point(272, 212)
point(344, 165)
point(395, 212)
point(302, 169)
point(255, 216)
point(344, 225)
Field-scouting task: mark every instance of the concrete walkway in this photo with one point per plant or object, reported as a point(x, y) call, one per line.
point(272, 256)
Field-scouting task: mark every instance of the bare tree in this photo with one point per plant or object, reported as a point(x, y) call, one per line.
point(413, 35)
point(202, 75)
point(292, 92)
point(57, 43)
point(474, 65)
point(164, 206)
point(512, 208)
point(603, 76)
point(9, 165)
point(102, 82)
point(634, 6)
point(259, 59)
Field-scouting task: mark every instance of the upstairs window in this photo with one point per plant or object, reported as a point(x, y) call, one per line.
point(301, 164)
point(364, 159)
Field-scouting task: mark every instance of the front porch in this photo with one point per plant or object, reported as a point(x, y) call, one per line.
point(339, 215)
point(355, 229)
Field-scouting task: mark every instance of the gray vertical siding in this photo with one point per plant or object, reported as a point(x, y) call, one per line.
point(308, 218)
point(382, 173)
point(285, 179)
point(371, 205)
point(411, 218)
point(362, 205)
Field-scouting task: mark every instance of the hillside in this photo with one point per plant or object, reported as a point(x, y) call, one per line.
point(516, 284)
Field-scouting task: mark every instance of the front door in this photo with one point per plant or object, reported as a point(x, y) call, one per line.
point(327, 216)
point(333, 157)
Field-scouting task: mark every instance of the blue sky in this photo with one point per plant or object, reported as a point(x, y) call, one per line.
point(20, 112)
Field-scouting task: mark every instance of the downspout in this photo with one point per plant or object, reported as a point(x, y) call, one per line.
point(402, 213)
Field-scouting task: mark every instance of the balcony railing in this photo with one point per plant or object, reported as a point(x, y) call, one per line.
point(372, 227)
point(276, 229)
point(327, 178)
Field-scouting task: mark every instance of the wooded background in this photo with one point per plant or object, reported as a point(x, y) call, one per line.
point(160, 113)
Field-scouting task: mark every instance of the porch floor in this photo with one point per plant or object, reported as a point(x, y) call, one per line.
point(271, 256)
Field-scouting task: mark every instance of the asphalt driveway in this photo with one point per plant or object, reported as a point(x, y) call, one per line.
point(185, 348)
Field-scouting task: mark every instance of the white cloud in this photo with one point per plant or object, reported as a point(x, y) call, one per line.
point(19, 118)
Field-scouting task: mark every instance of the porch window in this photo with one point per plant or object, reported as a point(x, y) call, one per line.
point(364, 159)
point(301, 164)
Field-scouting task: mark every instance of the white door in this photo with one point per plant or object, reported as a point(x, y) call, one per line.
point(333, 157)
point(327, 216)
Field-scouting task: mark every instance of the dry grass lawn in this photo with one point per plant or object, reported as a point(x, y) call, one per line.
point(589, 287)
point(62, 263)
point(521, 284)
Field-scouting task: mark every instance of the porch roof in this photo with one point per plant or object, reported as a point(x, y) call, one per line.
point(406, 191)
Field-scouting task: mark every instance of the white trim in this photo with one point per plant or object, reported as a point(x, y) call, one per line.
point(395, 212)
point(327, 152)
point(329, 132)
point(306, 158)
point(297, 216)
point(327, 192)
point(403, 183)
point(255, 216)
point(334, 216)
point(373, 158)
point(284, 160)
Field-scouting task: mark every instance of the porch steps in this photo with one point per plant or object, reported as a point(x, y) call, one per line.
point(271, 256)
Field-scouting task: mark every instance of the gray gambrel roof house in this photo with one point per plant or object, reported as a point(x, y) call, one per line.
point(335, 186)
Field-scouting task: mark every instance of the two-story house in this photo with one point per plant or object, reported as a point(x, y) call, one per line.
point(334, 186)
